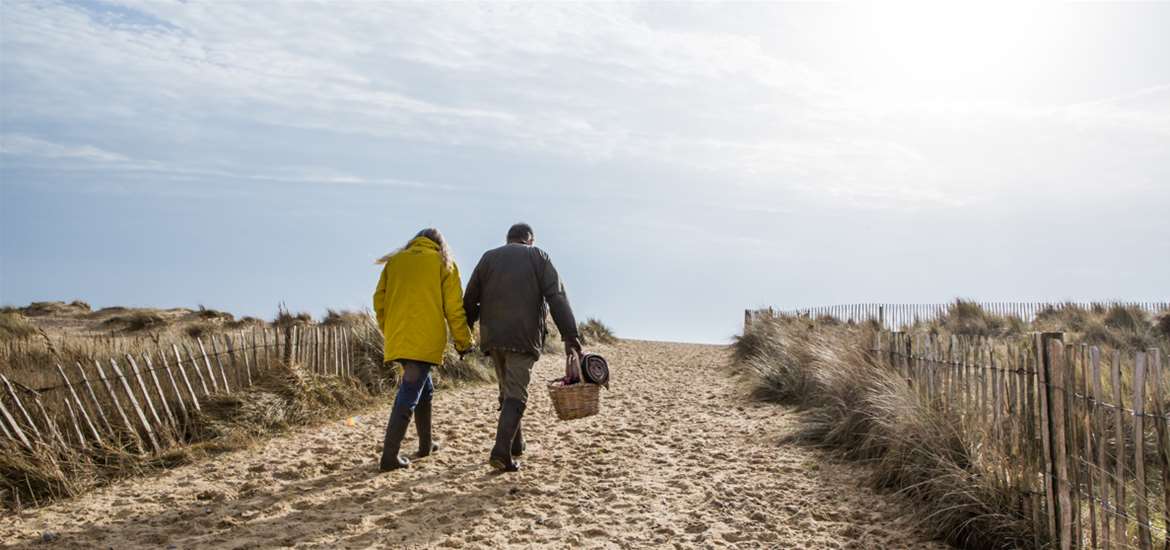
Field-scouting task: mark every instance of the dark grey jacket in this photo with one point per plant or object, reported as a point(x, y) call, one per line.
point(508, 291)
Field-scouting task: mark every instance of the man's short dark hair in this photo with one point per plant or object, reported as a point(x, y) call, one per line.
point(520, 233)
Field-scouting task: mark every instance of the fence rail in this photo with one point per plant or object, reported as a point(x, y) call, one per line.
point(894, 316)
point(1081, 432)
point(145, 400)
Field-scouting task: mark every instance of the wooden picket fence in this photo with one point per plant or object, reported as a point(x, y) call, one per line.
point(144, 401)
point(895, 316)
point(1080, 431)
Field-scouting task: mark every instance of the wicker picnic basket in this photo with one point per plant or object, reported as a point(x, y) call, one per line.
point(575, 400)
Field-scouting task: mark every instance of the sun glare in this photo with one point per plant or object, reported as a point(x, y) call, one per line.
point(944, 48)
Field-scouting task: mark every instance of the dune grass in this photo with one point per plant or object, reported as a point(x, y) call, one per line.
point(860, 409)
point(593, 331)
point(15, 325)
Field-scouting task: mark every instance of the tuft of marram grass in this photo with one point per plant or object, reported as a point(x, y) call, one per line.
point(280, 398)
point(137, 321)
point(341, 317)
point(1162, 327)
point(285, 318)
point(593, 331)
point(15, 325)
point(862, 409)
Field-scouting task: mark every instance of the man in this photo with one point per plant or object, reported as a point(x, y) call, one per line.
point(508, 291)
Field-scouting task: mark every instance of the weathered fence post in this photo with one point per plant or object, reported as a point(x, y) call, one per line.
point(218, 361)
point(118, 406)
point(97, 405)
point(20, 406)
point(1121, 524)
point(84, 415)
point(174, 387)
point(1139, 452)
point(4, 428)
point(183, 374)
point(1154, 357)
point(233, 364)
point(15, 426)
point(1050, 423)
point(267, 360)
point(145, 393)
point(244, 352)
point(1099, 431)
point(137, 408)
point(195, 367)
point(162, 396)
point(76, 425)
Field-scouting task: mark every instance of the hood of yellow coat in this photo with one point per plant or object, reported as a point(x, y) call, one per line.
point(423, 242)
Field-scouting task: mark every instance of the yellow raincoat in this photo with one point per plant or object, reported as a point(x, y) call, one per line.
point(416, 300)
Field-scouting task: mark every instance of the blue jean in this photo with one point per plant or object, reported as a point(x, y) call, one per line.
point(416, 385)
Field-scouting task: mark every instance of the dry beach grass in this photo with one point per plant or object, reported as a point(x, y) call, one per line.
point(861, 408)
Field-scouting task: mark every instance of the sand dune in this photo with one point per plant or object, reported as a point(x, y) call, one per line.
point(677, 458)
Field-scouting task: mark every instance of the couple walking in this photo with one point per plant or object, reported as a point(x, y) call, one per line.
point(419, 298)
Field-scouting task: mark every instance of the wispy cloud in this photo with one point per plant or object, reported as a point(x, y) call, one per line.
point(570, 83)
point(81, 158)
point(18, 145)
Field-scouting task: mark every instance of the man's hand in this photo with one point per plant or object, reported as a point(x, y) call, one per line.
point(572, 368)
point(572, 361)
point(573, 347)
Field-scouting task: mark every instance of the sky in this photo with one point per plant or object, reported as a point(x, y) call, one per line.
point(679, 162)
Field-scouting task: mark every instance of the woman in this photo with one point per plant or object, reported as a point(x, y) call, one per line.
point(417, 299)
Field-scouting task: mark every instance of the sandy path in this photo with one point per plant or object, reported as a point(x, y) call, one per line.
point(693, 466)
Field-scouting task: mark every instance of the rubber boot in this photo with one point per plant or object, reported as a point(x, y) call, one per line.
point(518, 445)
point(422, 422)
point(501, 457)
point(395, 431)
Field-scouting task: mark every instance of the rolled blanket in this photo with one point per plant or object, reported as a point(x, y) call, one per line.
point(595, 369)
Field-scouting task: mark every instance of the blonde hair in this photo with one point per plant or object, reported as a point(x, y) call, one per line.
point(436, 237)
